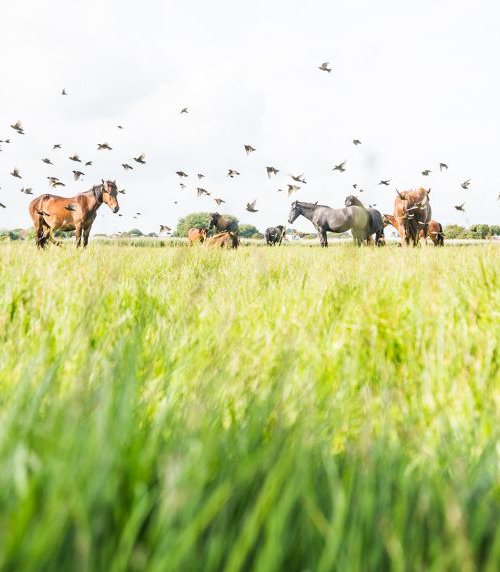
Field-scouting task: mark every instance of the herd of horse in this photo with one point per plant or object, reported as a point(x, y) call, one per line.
point(412, 219)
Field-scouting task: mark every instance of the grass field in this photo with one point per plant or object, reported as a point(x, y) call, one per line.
point(267, 409)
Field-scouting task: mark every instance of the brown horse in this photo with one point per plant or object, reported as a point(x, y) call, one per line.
point(224, 240)
point(223, 223)
point(50, 212)
point(412, 211)
point(435, 230)
point(197, 235)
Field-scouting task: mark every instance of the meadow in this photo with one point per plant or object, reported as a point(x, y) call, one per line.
point(265, 409)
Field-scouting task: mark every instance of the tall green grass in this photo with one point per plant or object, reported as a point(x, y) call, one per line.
point(264, 409)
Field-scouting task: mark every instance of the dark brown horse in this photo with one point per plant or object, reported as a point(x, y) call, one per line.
point(51, 213)
point(223, 223)
point(224, 240)
point(413, 213)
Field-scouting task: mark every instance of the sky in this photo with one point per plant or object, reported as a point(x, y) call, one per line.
point(416, 82)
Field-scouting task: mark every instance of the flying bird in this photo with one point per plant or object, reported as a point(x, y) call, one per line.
point(299, 178)
point(18, 126)
point(426, 172)
point(443, 166)
point(75, 158)
point(88, 164)
point(202, 192)
point(120, 126)
point(249, 149)
point(324, 67)
point(356, 142)
point(103, 146)
point(200, 175)
point(127, 167)
point(141, 159)
point(465, 184)
point(56, 146)
point(182, 185)
point(292, 189)
point(2, 206)
point(122, 191)
point(385, 182)
point(251, 207)
point(181, 174)
point(164, 228)
point(27, 191)
point(64, 92)
point(340, 167)
point(15, 173)
point(232, 173)
point(70, 207)
point(271, 171)
point(47, 161)
point(460, 207)
point(219, 201)
point(184, 110)
point(77, 175)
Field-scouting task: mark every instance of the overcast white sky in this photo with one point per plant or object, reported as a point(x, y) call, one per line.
point(416, 82)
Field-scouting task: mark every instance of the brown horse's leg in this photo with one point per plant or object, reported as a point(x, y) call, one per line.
point(78, 233)
point(86, 233)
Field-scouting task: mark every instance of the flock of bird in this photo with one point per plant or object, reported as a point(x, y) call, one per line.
point(291, 187)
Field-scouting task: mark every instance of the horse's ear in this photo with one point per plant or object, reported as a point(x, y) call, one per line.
point(429, 191)
point(400, 195)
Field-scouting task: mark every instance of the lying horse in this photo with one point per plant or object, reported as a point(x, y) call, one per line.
point(197, 235)
point(376, 223)
point(436, 232)
point(326, 219)
point(223, 223)
point(274, 235)
point(413, 213)
point(224, 240)
point(50, 212)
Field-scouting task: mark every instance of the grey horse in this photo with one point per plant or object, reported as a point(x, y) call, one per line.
point(376, 219)
point(355, 219)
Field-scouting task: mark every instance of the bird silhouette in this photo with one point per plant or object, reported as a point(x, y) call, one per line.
point(356, 142)
point(77, 175)
point(385, 182)
point(120, 126)
point(465, 184)
point(426, 172)
point(47, 161)
point(27, 191)
point(104, 146)
point(141, 159)
point(164, 228)
point(15, 173)
point(182, 174)
point(249, 149)
point(324, 67)
point(88, 164)
point(122, 191)
point(443, 166)
point(251, 207)
point(182, 186)
point(2, 206)
point(56, 146)
point(127, 167)
point(219, 201)
point(184, 110)
point(64, 92)
point(340, 167)
point(200, 175)
point(293, 189)
point(232, 173)
point(202, 192)
point(18, 126)
point(460, 207)
point(271, 171)
point(299, 178)
point(75, 158)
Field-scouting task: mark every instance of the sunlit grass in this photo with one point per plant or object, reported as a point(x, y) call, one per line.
point(294, 408)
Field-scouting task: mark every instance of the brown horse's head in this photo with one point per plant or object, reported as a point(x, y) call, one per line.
point(110, 195)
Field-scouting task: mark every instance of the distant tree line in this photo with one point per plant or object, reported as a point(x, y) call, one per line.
point(477, 231)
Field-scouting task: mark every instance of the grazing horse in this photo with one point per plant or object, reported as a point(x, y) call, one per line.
point(51, 212)
point(223, 223)
point(436, 232)
point(274, 235)
point(197, 235)
point(376, 223)
point(326, 219)
point(224, 240)
point(413, 213)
